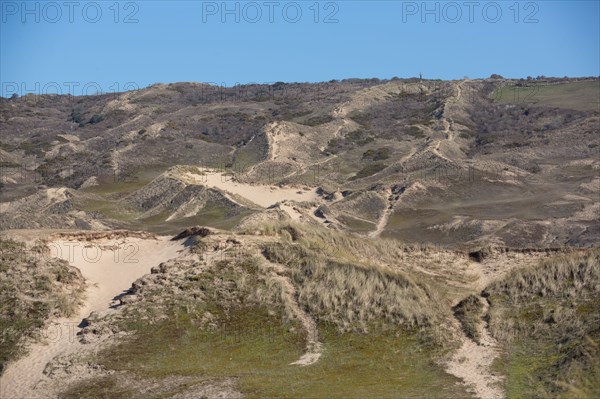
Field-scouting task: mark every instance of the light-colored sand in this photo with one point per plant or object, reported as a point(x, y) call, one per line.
point(385, 217)
point(274, 135)
point(292, 211)
point(314, 348)
point(472, 362)
point(262, 195)
point(109, 266)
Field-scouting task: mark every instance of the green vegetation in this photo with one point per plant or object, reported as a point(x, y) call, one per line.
point(483, 140)
point(369, 170)
point(232, 321)
point(414, 131)
point(77, 117)
point(34, 147)
point(216, 215)
point(360, 137)
point(97, 388)
point(211, 215)
point(360, 118)
point(116, 184)
point(356, 225)
point(317, 120)
point(357, 138)
point(258, 352)
point(289, 115)
point(468, 312)
point(251, 153)
point(32, 288)
point(548, 318)
point(108, 209)
point(96, 119)
point(582, 96)
point(379, 154)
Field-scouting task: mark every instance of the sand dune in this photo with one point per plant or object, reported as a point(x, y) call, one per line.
point(262, 195)
point(109, 266)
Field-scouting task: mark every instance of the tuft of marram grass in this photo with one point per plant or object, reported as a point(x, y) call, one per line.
point(354, 282)
point(566, 275)
point(547, 319)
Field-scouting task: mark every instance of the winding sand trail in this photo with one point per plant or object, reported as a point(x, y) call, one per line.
point(109, 267)
point(314, 348)
point(472, 362)
point(385, 216)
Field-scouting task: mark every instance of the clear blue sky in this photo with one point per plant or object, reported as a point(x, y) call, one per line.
point(188, 41)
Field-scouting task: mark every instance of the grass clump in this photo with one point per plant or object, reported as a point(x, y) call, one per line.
point(468, 312)
point(369, 170)
point(33, 288)
point(340, 279)
point(379, 154)
point(547, 317)
point(96, 388)
point(317, 120)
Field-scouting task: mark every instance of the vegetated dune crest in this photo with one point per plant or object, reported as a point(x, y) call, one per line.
point(109, 265)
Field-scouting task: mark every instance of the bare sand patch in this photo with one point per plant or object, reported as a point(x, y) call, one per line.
point(260, 194)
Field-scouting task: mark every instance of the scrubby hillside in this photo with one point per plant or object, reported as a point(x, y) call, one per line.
point(471, 161)
point(34, 287)
point(548, 318)
point(355, 239)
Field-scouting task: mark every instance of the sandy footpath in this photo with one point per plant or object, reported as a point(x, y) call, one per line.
point(472, 363)
point(109, 267)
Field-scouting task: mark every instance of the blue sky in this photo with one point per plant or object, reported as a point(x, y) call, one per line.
point(44, 45)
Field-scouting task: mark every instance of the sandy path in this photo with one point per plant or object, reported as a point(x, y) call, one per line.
point(387, 212)
point(383, 220)
point(434, 145)
point(260, 194)
point(273, 138)
point(109, 266)
point(314, 348)
point(472, 362)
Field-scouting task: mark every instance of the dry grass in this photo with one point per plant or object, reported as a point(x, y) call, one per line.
point(547, 317)
point(352, 282)
point(215, 321)
point(468, 312)
point(567, 275)
point(33, 288)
